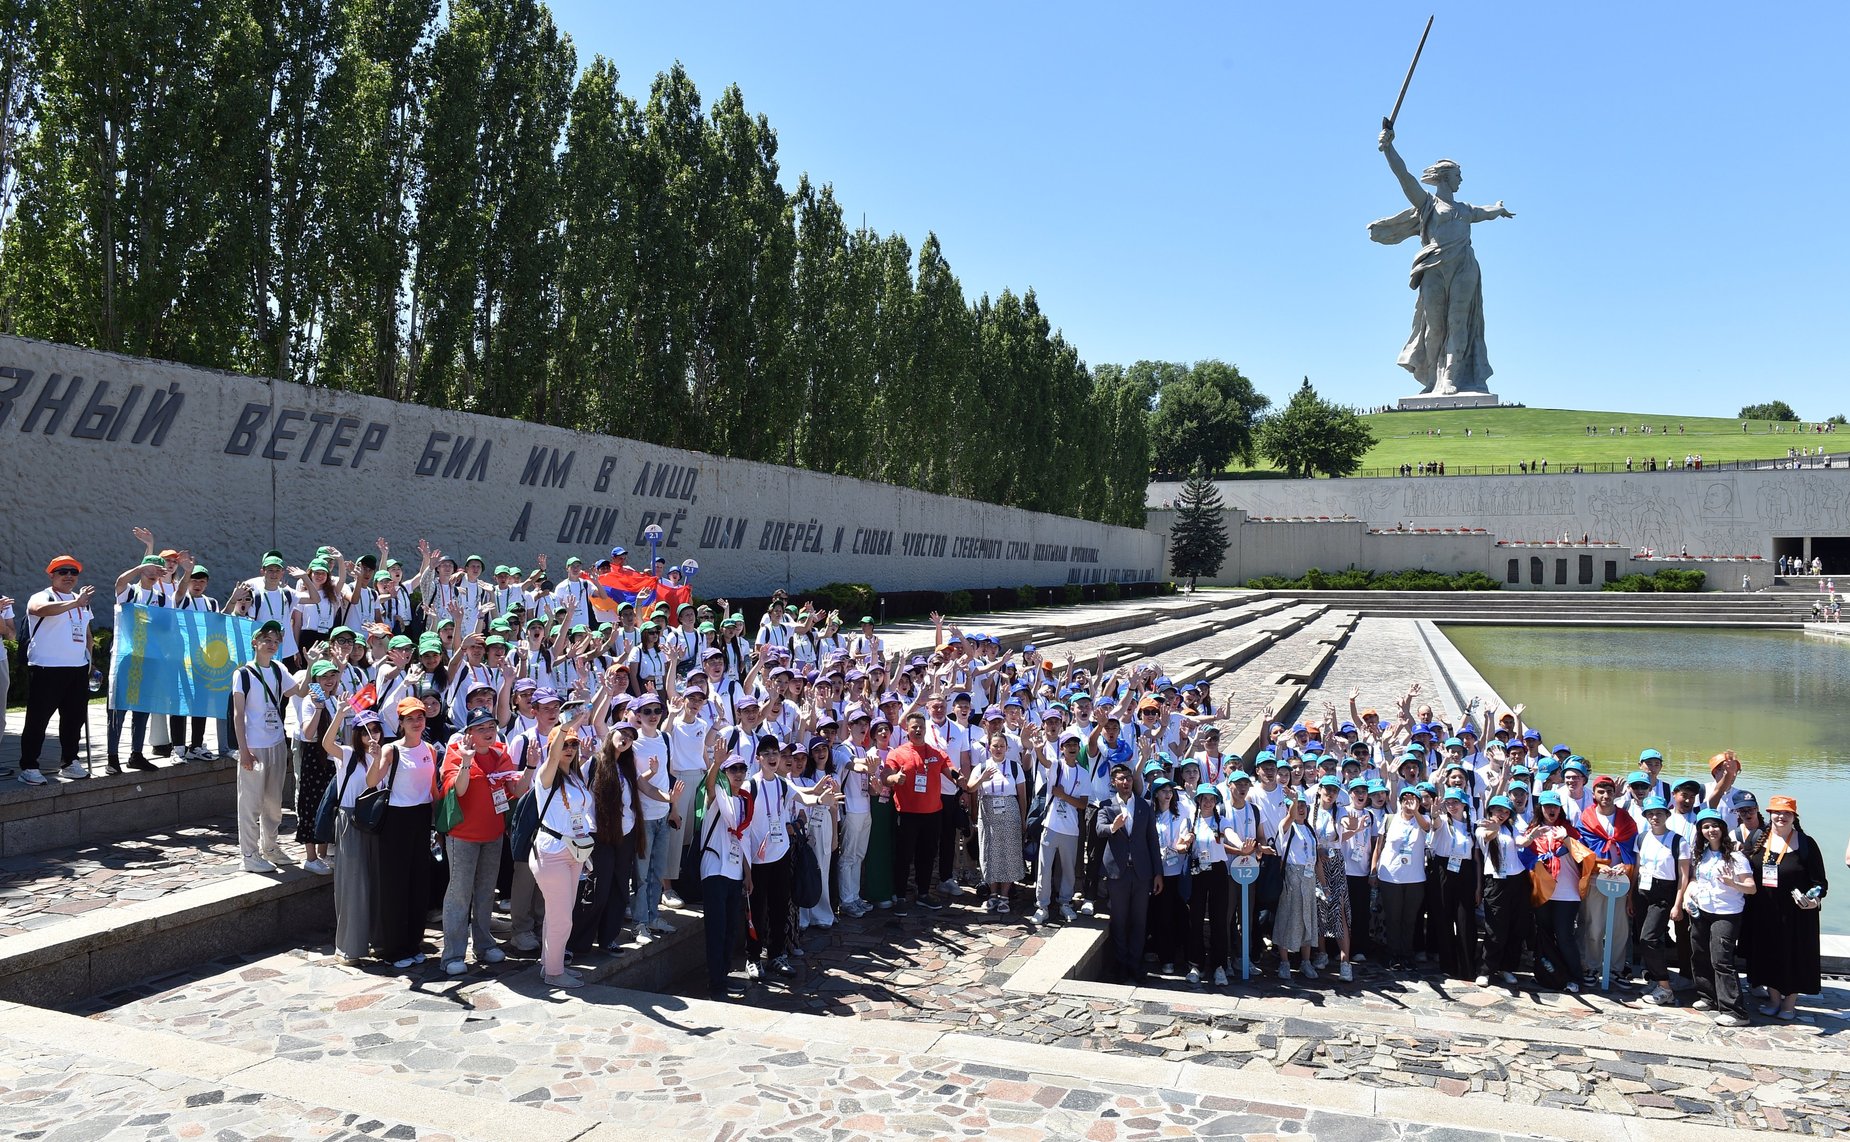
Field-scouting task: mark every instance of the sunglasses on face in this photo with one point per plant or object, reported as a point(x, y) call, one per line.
point(64, 571)
point(651, 711)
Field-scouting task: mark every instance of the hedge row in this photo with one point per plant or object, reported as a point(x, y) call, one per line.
point(1358, 580)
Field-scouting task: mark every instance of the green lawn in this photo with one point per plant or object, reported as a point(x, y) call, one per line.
point(1500, 438)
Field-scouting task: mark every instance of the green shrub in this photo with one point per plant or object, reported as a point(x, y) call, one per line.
point(1355, 579)
point(959, 602)
point(16, 669)
point(852, 599)
point(1110, 591)
point(1027, 595)
point(1633, 583)
point(1475, 581)
point(1073, 593)
point(1678, 579)
point(1168, 588)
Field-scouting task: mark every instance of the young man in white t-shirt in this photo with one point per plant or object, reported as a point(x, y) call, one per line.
point(58, 665)
point(259, 690)
point(690, 739)
point(655, 777)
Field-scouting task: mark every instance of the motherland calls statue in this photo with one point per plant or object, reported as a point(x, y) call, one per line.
point(1446, 349)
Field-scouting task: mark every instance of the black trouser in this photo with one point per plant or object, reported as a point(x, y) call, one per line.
point(1207, 904)
point(1400, 918)
point(597, 921)
point(770, 909)
point(177, 736)
point(1432, 911)
point(401, 890)
point(1555, 934)
point(1168, 921)
point(1091, 859)
point(1266, 892)
point(1713, 939)
point(1654, 930)
point(1130, 915)
point(64, 689)
point(1458, 914)
point(1361, 932)
point(947, 837)
point(912, 856)
point(1506, 921)
point(720, 897)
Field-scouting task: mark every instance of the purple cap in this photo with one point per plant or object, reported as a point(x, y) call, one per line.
point(545, 696)
point(526, 686)
point(366, 718)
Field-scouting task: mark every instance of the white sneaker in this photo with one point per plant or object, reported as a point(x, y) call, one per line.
point(1088, 909)
point(32, 777)
point(1729, 1019)
point(276, 856)
point(455, 967)
point(1482, 981)
point(1284, 970)
point(75, 771)
point(644, 937)
point(318, 866)
point(258, 864)
point(1039, 918)
point(660, 925)
point(526, 942)
point(1660, 997)
point(1169, 969)
point(1703, 1005)
point(492, 956)
point(564, 981)
point(1320, 961)
point(672, 898)
point(1345, 973)
point(1310, 971)
point(754, 970)
point(1220, 977)
point(1194, 975)
point(1067, 914)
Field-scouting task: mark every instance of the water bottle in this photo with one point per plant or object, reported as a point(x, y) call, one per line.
point(1816, 893)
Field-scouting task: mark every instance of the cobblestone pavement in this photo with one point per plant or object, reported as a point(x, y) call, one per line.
point(657, 1065)
point(71, 1097)
point(39, 890)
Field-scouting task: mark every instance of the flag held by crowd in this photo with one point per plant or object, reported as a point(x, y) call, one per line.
point(170, 661)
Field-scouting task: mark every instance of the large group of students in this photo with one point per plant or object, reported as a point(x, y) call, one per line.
point(557, 768)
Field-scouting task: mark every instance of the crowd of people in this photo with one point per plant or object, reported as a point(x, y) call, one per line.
point(489, 744)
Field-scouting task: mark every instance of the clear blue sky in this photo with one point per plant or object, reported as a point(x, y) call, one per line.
point(1179, 181)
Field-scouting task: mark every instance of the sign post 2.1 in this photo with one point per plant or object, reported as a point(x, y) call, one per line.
point(1611, 887)
point(1245, 870)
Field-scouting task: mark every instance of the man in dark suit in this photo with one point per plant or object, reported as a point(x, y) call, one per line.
point(1133, 869)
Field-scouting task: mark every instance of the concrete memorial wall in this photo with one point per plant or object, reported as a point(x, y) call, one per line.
point(227, 466)
point(1719, 513)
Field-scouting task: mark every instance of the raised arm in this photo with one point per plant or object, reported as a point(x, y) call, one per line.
point(1409, 185)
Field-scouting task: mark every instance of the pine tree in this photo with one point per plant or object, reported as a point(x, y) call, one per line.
point(1198, 541)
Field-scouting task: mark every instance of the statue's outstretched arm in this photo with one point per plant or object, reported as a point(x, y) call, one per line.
point(1409, 185)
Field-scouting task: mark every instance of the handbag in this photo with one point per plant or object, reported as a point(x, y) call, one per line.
point(449, 812)
point(370, 806)
point(328, 812)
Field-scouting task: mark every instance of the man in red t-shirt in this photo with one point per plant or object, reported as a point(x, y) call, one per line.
point(912, 774)
point(478, 768)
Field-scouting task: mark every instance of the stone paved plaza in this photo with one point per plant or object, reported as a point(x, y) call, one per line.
point(959, 1024)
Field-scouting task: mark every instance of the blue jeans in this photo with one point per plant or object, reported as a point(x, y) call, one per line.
point(652, 870)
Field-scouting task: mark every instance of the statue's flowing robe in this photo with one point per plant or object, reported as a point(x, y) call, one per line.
point(1445, 351)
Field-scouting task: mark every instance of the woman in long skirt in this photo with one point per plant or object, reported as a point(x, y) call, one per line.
point(1296, 929)
point(883, 834)
point(1002, 794)
point(317, 770)
point(1333, 905)
point(356, 852)
point(1784, 955)
point(401, 872)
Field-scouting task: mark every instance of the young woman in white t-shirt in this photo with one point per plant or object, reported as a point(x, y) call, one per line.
point(401, 886)
point(563, 842)
point(1001, 788)
point(1719, 886)
point(1399, 875)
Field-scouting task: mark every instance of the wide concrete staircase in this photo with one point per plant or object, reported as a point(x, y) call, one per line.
point(1768, 609)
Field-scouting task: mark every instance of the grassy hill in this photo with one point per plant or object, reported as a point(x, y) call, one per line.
point(1500, 438)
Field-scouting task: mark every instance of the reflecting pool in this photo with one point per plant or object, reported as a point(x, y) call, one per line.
point(1777, 698)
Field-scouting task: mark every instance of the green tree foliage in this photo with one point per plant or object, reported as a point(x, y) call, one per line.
point(1313, 437)
point(434, 202)
point(1770, 410)
point(1202, 416)
point(1198, 541)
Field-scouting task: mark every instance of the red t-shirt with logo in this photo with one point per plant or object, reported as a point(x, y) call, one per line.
point(919, 767)
point(480, 822)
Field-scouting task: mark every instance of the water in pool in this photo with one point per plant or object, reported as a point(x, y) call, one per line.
point(1779, 699)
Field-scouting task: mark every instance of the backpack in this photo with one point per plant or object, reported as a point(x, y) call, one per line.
point(805, 871)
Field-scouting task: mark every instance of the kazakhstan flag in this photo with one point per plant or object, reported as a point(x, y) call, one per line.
point(177, 662)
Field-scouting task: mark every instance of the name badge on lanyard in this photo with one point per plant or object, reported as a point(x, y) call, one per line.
point(1769, 871)
point(499, 796)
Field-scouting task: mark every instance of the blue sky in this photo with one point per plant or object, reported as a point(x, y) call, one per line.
point(1180, 181)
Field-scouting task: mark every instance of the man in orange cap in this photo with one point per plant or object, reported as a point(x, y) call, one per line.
point(58, 665)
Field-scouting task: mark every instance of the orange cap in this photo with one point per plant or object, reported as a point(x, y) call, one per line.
point(410, 706)
point(63, 561)
point(1782, 804)
point(170, 553)
point(1721, 759)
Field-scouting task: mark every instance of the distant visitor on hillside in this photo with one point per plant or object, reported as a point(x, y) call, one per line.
point(1446, 349)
